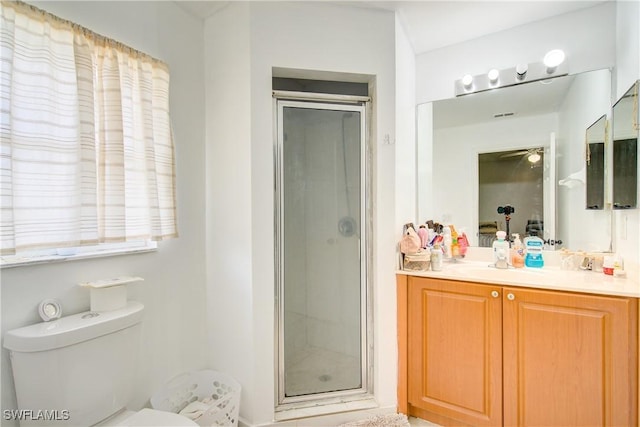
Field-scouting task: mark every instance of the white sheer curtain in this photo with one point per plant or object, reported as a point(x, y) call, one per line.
point(86, 147)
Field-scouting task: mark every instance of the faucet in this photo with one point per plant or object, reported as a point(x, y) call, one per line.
point(552, 242)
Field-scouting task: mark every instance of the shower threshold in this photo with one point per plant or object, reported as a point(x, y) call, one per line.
point(325, 406)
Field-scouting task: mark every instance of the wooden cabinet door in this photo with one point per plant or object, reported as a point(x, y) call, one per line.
point(455, 352)
point(569, 359)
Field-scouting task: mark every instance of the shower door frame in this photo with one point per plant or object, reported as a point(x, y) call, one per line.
point(346, 103)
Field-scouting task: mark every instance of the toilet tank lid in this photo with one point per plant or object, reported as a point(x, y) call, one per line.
point(72, 329)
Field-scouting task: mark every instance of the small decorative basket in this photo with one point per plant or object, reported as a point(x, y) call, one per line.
point(420, 261)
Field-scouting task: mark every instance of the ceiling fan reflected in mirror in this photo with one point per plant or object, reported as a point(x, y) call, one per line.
point(533, 155)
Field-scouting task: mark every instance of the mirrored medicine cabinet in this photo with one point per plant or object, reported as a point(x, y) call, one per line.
point(596, 137)
point(625, 150)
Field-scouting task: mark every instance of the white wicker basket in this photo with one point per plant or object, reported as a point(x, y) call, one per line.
point(197, 386)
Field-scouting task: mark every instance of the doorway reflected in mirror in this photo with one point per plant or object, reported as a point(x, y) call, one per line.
point(510, 178)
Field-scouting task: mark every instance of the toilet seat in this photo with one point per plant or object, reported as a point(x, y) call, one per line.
point(152, 418)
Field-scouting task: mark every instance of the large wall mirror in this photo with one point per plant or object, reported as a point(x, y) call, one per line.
point(625, 150)
point(456, 137)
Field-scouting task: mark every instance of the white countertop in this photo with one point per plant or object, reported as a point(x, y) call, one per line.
point(549, 277)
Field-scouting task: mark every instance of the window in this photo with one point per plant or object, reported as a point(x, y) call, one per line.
point(87, 154)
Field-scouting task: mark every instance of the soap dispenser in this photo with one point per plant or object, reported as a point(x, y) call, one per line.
point(517, 252)
point(501, 250)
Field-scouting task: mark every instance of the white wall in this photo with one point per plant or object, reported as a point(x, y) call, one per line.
point(627, 223)
point(627, 45)
point(254, 38)
point(586, 101)
point(424, 156)
point(230, 297)
point(585, 36)
point(406, 165)
point(173, 331)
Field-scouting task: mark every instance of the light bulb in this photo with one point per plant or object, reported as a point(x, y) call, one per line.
point(493, 76)
point(534, 157)
point(467, 81)
point(552, 59)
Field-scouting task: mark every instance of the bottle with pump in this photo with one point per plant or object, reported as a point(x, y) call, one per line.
point(436, 257)
point(463, 243)
point(533, 246)
point(501, 250)
point(517, 252)
point(447, 241)
point(455, 247)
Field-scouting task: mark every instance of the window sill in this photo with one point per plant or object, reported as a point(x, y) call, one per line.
point(23, 261)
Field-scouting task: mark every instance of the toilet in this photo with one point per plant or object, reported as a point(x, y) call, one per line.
point(79, 370)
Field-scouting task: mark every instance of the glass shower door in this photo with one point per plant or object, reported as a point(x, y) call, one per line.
point(322, 332)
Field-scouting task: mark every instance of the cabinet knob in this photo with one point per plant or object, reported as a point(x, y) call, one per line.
point(511, 296)
point(495, 294)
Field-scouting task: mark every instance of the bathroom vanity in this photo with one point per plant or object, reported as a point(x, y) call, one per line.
point(485, 347)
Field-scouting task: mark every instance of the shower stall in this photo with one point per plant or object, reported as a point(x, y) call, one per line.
point(321, 251)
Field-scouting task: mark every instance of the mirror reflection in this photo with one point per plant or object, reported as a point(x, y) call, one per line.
point(625, 150)
point(550, 115)
point(510, 178)
point(595, 163)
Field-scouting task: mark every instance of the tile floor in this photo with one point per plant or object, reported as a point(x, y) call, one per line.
point(317, 370)
point(417, 422)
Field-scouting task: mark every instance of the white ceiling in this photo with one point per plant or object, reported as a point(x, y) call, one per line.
point(434, 24)
point(201, 9)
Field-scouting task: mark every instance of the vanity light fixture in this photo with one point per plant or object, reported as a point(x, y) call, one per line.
point(554, 65)
point(493, 76)
point(552, 59)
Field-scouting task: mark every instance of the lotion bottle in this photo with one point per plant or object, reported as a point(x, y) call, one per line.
point(501, 250)
point(517, 252)
point(447, 241)
point(436, 257)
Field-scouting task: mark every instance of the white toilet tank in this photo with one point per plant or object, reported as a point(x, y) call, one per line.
point(77, 370)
